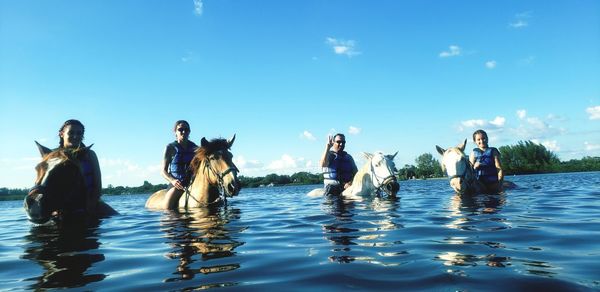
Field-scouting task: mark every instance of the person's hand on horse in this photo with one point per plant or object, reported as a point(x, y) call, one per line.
point(177, 184)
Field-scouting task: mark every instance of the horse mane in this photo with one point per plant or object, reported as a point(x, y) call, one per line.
point(206, 150)
point(63, 154)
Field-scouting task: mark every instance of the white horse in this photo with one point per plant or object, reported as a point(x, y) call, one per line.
point(376, 175)
point(459, 169)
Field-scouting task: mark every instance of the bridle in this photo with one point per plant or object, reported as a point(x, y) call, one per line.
point(220, 182)
point(381, 180)
point(467, 173)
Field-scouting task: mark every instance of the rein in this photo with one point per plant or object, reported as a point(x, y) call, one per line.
point(220, 180)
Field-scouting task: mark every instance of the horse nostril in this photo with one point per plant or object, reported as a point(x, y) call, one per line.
point(231, 189)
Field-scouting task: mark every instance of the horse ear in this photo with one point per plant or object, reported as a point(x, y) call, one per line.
point(440, 150)
point(463, 145)
point(230, 141)
point(43, 150)
point(367, 155)
point(203, 142)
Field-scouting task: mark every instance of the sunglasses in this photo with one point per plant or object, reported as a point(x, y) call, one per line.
point(183, 129)
point(340, 142)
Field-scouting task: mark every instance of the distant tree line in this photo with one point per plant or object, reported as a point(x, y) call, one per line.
point(299, 178)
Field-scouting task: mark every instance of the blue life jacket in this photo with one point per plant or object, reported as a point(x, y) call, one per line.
point(487, 171)
point(341, 168)
point(88, 173)
point(181, 160)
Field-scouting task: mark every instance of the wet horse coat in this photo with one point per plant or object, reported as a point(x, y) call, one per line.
point(214, 174)
point(377, 175)
point(458, 168)
point(60, 192)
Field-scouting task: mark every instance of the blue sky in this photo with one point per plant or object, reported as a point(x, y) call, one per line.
point(282, 75)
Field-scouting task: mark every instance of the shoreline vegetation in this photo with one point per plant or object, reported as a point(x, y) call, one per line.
point(526, 157)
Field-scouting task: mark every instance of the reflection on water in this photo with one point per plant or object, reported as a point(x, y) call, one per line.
point(351, 239)
point(199, 239)
point(475, 214)
point(65, 254)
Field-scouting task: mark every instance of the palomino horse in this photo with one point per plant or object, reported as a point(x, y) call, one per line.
point(376, 175)
point(213, 173)
point(459, 169)
point(60, 192)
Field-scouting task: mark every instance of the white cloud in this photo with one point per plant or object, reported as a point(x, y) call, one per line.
point(343, 47)
point(591, 147)
point(285, 162)
point(520, 20)
point(244, 165)
point(519, 23)
point(473, 123)
point(536, 128)
point(198, 7)
point(551, 145)
point(122, 172)
point(594, 112)
point(307, 135)
point(490, 64)
point(354, 130)
point(521, 114)
point(497, 122)
point(454, 51)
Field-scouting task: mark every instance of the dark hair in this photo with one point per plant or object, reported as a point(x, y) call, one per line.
point(181, 122)
point(481, 132)
point(339, 134)
point(70, 122)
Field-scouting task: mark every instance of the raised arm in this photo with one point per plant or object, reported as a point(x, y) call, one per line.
point(325, 156)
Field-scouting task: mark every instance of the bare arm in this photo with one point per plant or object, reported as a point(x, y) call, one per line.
point(472, 160)
point(325, 156)
point(498, 165)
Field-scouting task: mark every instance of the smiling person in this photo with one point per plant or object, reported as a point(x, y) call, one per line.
point(176, 161)
point(338, 166)
point(486, 162)
point(71, 136)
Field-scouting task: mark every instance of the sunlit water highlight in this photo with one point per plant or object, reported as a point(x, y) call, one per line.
point(543, 235)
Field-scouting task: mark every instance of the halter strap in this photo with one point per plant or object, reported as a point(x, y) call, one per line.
point(384, 180)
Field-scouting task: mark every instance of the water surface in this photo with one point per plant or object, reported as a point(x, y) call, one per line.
point(543, 235)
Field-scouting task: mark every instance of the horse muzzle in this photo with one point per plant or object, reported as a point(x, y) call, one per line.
point(391, 186)
point(36, 206)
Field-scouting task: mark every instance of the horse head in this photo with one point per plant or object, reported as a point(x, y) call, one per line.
point(215, 157)
point(383, 172)
point(60, 185)
point(457, 166)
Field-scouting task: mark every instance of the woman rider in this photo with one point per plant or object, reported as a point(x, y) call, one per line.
point(176, 161)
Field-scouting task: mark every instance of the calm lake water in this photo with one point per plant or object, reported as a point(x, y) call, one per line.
point(544, 235)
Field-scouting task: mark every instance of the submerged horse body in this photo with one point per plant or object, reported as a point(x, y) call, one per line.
point(60, 191)
point(213, 174)
point(377, 175)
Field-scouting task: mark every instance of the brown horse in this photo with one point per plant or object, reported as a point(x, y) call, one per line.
point(60, 192)
point(213, 174)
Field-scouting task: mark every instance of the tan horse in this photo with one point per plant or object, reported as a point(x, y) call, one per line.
point(213, 174)
point(377, 175)
point(60, 192)
point(458, 168)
